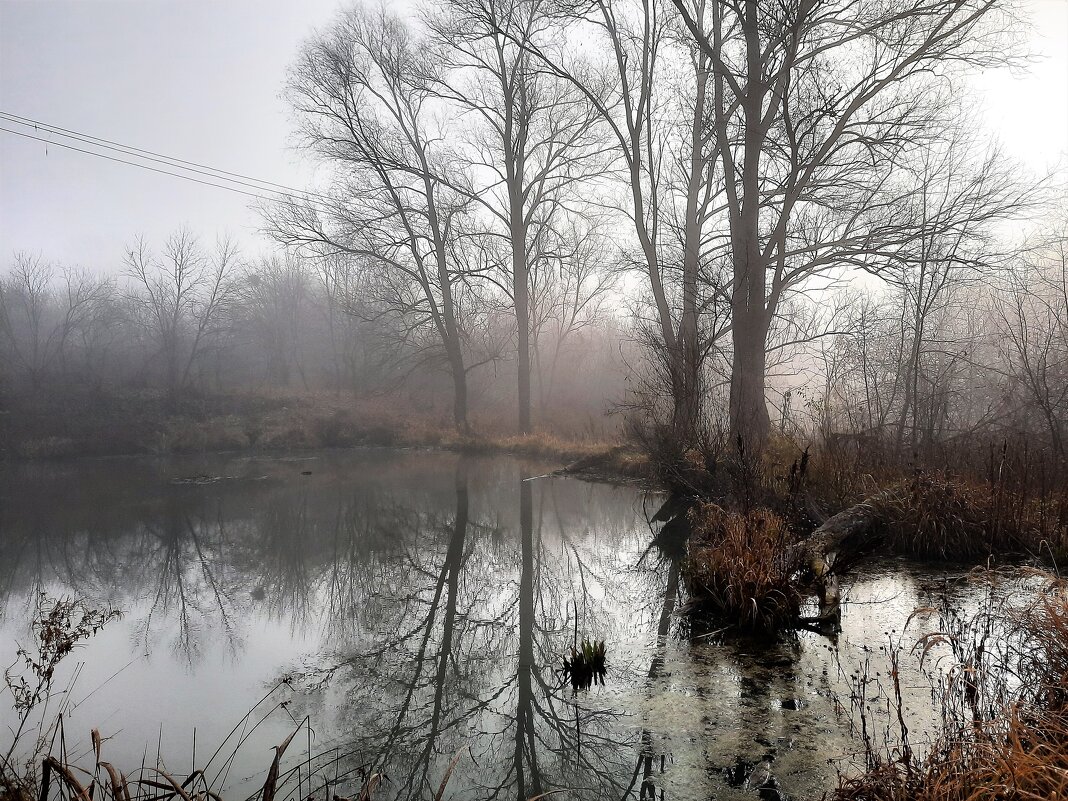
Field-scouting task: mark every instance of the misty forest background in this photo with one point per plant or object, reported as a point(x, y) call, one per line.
point(594, 220)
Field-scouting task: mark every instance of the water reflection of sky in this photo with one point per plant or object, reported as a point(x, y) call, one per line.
point(421, 605)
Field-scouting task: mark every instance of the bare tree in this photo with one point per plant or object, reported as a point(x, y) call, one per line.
point(961, 193)
point(570, 285)
point(42, 311)
point(181, 296)
point(362, 89)
point(815, 105)
point(1034, 324)
point(651, 88)
point(531, 138)
point(273, 296)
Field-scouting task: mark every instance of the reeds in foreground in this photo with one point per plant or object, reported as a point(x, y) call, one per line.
point(1005, 734)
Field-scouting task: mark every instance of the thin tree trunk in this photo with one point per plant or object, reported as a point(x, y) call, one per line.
point(688, 399)
point(459, 387)
point(521, 296)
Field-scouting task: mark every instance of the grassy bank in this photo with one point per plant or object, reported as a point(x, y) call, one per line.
point(753, 523)
point(149, 424)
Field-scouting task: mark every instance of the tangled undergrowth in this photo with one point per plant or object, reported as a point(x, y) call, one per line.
point(748, 568)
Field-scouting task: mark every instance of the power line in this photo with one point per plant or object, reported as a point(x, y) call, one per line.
point(135, 164)
point(151, 155)
point(229, 187)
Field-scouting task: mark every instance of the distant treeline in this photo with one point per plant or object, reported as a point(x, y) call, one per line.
point(530, 213)
point(186, 320)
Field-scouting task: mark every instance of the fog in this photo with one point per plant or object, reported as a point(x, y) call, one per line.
point(528, 217)
point(523, 397)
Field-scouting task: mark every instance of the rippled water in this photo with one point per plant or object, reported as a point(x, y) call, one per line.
point(419, 605)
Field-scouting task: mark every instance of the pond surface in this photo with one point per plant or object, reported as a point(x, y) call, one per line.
point(418, 606)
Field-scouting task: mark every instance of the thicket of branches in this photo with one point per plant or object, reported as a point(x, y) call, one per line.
point(640, 204)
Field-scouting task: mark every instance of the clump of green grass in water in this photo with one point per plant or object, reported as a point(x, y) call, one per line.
point(742, 569)
point(587, 666)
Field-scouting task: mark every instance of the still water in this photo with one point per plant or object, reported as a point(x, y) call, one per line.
point(413, 607)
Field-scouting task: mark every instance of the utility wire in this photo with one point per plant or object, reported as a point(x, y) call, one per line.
point(279, 196)
point(135, 164)
point(151, 155)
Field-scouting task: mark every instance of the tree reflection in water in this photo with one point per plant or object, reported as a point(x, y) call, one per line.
point(467, 655)
point(443, 602)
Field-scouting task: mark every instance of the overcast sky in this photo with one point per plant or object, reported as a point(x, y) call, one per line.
point(201, 81)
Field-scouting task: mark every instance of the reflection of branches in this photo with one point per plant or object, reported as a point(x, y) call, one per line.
point(556, 741)
point(644, 766)
point(455, 633)
point(184, 557)
point(449, 613)
point(172, 559)
point(524, 726)
point(410, 646)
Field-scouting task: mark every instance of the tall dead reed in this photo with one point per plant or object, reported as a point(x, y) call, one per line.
point(1005, 712)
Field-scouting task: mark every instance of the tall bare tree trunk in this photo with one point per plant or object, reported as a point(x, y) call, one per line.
point(515, 140)
point(521, 295)
point(749, 419)
point(688, 393)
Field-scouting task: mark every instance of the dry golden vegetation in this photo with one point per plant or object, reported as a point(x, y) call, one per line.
point(743, 567)
point(146, 425)
point(63, 779)
point(937, 516)
point(1005, 734)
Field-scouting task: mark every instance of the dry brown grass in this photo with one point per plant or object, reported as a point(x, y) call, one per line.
point(105, 782)
point(935, 518)
point(540, 444)
point(1020, 752)
point(743, 568)
point(1029, 763)
point(940, 517)
point(271, 421)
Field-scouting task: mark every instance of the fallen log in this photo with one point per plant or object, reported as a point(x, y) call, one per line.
point(856, 527)
point(852, 531)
